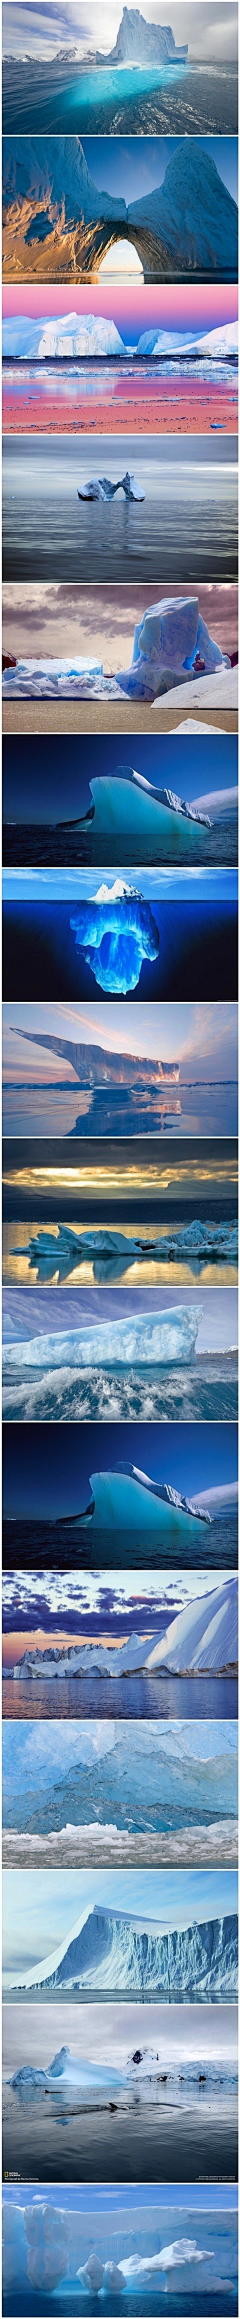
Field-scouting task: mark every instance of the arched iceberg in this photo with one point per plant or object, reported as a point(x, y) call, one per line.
point(126, 1499)
point(126, 803)
point(100, 487)
point(115, 932)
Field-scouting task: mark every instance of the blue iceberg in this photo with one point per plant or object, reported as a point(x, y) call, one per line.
point(110, 2248)
point(153, 1338)
point(111, 1949)
point(100, 487)
point(115, 931)
point(127, 802)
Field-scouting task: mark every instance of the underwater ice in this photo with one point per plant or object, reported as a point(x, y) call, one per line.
point(99, 487)
point(115, 932)
point(107, 2251)
point(157, 1337)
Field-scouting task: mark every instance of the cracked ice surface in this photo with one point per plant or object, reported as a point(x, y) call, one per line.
point(116, 931)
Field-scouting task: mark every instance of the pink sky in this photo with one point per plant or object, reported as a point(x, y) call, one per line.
point(192, 306)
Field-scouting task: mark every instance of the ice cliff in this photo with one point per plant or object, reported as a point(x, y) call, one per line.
point(115, 932)
point(44, 2243)
point(141, 43)
point(146, 1339)
point(110, 1949)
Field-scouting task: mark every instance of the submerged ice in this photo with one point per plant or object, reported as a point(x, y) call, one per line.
point(115, 932)
point(153, 1338)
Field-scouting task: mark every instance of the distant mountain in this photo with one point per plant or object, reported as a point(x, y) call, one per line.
point(141, 43)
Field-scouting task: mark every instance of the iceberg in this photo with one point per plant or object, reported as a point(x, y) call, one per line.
point(65, 2070)
point(111, 2249)
point(112, 1949)
point(112, 1253)
point(62, 335)
point(170, 641)
point(203, 1637)
point(141, 43)
point(100, 488)
point(115, 932)
point(126, 1499)
point(153, 1338)
point(176, 1777)
point(126, 803)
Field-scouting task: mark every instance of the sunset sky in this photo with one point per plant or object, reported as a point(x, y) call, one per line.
point(193, 307)
point(202, 1037)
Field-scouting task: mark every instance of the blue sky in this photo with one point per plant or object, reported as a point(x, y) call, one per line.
point(196, 2198)
point(28, 1313)
point(39, 1912)
point(47, 777)
point(45, 1474)
point(132, 166)
point(164, 885)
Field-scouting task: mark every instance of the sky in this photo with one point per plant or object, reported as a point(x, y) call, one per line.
point(195, 308)
point(133, 166)
point(28, 886)
point(202, 1037)
point(58, 618)
point(42, 30)
point(47, 777)
point(30, 1312)
point(39, 1912)
point(206, 1170)
point(70, 1608)
point(45, 1476)
point(197, 2198)
point(35, 2033)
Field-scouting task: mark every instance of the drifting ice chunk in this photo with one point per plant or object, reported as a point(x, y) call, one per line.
point(151, 1339)
point(116, 932)
point(100, 488)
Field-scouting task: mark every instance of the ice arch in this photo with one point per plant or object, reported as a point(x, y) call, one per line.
point(117, 261)
point(98, 244)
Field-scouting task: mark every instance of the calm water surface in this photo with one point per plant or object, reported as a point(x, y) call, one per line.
point(185, 100)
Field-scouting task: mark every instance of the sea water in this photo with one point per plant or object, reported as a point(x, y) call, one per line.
point(139, 1695)
point(187, 516)
point(199, 1108)
point(120, 100)
point(201, 1389)
point(142, 2136)
point(76, 846)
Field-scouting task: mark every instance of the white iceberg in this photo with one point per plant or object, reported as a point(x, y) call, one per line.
point(165, 1337)
point(202, 1637)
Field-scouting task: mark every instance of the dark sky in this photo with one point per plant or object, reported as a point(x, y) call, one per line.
point(47, 778)
point(46, 1470)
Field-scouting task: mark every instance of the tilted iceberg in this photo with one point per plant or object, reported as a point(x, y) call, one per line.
point(167, 1336)
point(115, 932)
point(100, 487)
point(109, 1948)
point(126, 1499)
point(127, 802)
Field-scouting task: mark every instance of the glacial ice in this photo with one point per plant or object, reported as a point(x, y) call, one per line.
point(153, 1338)
point(126, 1499)
point(171, 645)
point(202, 1638)
point(100, 487)
point(169, 642)
point(174, 1778)
point(48, 2242)
point(115, 932)
point(112, 1252)
point(127, 802)
point(141, 43)
point(111, 1949)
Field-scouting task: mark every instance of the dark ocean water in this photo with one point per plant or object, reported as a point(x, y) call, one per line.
point(70, 2302)
point(41, 845)
point(198, 99)
point(139, 1695)
point(181, 524)
point(136, 2141)
point(197, 951)
point(62, 1110)
point(44, 1546)
point(203, 1389)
